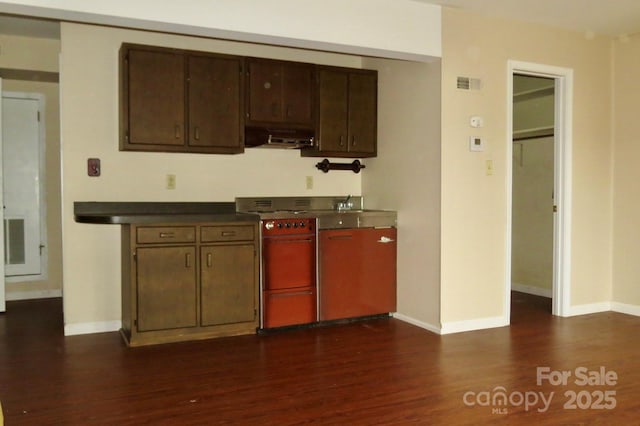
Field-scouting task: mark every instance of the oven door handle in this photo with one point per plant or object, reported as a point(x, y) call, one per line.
point(287, 241)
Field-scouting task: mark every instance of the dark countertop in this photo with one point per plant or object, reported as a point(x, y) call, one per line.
point(123, 213)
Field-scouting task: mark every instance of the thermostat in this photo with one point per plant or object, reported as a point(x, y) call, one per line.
point(476, 143)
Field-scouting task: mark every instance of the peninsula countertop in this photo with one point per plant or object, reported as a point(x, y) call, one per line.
point(136, 212)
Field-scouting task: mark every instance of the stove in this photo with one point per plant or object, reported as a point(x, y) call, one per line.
point(288, 261)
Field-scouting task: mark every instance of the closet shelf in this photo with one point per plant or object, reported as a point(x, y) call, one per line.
point(532, 133)
point(533, 93)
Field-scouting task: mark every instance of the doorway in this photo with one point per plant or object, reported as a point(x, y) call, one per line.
point(533, 258)
point(532, 190)
point(24, 206)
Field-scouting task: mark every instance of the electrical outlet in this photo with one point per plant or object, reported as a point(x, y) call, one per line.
point(309, 182)
point(171, 181)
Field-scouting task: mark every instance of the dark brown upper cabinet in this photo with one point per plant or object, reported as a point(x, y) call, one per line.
point(180, 101)
point(347, 113)
point(280, 94)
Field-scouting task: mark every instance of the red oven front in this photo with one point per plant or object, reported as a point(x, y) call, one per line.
point(289, 272)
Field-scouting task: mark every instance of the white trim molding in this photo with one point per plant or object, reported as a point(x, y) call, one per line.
point(625, 308)
point(91, 327)
point(472, 325)
point(429, 327)
point(591, 308)
point(531, 289)
point(33, 294)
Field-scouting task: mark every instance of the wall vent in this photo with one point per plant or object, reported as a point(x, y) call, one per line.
point(14, 242)
point(468, 83)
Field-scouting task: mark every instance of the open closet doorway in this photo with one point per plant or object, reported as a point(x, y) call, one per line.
point(532, 195)
point(539, 185)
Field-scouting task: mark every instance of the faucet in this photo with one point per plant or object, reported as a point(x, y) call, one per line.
point(346, 204)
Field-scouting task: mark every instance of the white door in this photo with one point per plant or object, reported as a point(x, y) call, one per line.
point(2, 296)
point(21, 184)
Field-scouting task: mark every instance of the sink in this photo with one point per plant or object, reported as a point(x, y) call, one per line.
point(365, 218)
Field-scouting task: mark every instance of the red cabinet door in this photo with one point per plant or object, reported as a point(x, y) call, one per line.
point(357, 272)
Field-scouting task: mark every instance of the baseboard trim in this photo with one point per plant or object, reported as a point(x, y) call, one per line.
point(592, 308)
point(625, 308)
point(429, 327)
point(91, 327)
point(529, 289)
point(32, 294)
point(472, 325)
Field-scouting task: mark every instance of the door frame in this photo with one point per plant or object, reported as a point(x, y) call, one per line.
point(44, 260)
point(2, 282)
point(563, 139)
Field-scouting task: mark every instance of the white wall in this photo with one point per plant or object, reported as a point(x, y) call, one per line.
point(387, 28)
point(626, 202)
point(89, 115)
point(474, 203)
point(406, 176)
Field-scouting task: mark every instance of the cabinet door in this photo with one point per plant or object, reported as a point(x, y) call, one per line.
point(358, 272)
point(363, 127)
point(215, 85)
point(297, 94)
point(155, 99)
point(333, 104)
point(280, 93)
point(166, 287)
point(265, 91)
point(228, 284)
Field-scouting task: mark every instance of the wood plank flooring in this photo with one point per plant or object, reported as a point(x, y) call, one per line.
point(377, 372)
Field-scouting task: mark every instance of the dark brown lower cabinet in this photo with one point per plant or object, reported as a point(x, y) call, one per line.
point(227, 286)
point(166, 282)
point(188, 281)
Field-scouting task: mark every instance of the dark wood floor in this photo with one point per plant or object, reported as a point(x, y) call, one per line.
point(377, 372)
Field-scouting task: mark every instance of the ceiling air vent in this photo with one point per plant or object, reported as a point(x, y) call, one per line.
point(467, 83)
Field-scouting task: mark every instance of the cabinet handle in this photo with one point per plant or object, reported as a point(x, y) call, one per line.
point(178, 131)
point(297, 293)
point(386, 240)
point(228, 234)
point(341, 237)
point(196, 133)
point(288, 110)
point(209, 260)
point(187, 260)
point(353, 141)
point(341, 143)
point(167, 235)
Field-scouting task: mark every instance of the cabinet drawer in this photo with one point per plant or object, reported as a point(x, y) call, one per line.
point(210, 234)
point(165, 234)
point(289, 307)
